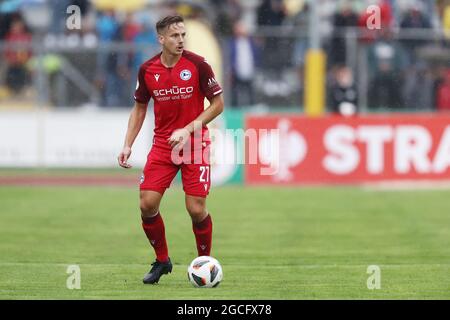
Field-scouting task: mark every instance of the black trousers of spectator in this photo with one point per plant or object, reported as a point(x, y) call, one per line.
point(384, 91)
point(16, 77)
point(242, 93)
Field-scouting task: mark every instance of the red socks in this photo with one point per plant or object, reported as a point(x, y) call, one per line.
point(203, 235)
point(155, 232)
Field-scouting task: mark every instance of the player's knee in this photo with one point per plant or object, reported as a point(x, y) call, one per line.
point(148, 208)
point(196, 209)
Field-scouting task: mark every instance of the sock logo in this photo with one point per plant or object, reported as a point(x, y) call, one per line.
point(153, 242)
point(203, 247)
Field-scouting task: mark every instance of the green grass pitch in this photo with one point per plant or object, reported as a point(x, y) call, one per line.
point(273, 243)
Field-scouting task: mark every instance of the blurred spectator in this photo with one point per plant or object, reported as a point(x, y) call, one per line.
point(443, 94)
point(128, 31)
point(16, 58)
point(107, 26)
point(418, 88)
point(385, 53)
point(387, 15)
point(439, 73)
point(414, 19)
point(227, 12)
point(142, 36)
point(130, 28)
point(5, 23)
point(147, 40)
point(272, 13)
point(301, 23)
point(147, 45)
point(386, 61)
point(384, 90)
point(108, 77)
point(243, 63)
point(343, 93)
point(51, 65)
point(345, 18)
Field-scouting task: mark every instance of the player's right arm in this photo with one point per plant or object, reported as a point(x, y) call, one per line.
point(135, 122)
point(137, 117)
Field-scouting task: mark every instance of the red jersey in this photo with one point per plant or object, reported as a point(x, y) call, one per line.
point(178, 93)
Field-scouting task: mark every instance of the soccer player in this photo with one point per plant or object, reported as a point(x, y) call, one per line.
point(178, 81)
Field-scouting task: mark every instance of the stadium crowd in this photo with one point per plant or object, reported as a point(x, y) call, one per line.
point(406, 63)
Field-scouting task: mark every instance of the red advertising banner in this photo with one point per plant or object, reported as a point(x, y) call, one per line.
point(299, 150)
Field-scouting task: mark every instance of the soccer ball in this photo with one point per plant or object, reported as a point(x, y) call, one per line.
point(205, 272)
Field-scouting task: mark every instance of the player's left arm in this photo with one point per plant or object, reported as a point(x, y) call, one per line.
point(209, 114)
point(180, 136)
point(213, 92)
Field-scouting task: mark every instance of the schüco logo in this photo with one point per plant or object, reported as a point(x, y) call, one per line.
point(175, 90)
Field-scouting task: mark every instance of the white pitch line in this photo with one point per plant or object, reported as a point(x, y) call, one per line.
point(312, 266)
point(406, 185)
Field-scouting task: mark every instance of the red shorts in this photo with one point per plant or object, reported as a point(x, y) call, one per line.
point(160, 170)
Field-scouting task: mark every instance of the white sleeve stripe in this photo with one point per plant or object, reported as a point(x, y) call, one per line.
point(217, 92)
